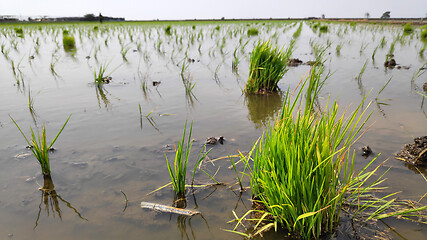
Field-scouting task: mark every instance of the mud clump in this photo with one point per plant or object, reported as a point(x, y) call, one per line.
point(390, 63)
point(416, 153)
point(425, 87)
point(214, 140)
point(366, 151)
point(294, 62)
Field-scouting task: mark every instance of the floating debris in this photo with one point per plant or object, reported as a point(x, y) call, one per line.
point(23, 155)
point(168, 209)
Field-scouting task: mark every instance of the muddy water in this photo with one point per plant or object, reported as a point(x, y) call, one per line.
point(108, 147)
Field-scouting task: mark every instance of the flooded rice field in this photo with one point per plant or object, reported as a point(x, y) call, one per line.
point(111, 154)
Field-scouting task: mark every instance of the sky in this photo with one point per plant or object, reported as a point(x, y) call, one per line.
point(209, 9)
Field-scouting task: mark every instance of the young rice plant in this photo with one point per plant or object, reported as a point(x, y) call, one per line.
point(39, 147)
point(267, 67)
point(178, 171)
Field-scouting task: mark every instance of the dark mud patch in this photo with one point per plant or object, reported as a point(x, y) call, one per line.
point(214, 140)
point(390, 63)
point(294, 62)
point(366, 151)
point(415, 153)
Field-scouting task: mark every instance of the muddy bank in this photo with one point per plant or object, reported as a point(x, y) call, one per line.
point(415, 153)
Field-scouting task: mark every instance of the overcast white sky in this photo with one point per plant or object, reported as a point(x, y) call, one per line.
point(203, 9)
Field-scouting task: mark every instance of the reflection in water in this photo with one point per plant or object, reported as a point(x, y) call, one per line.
point(262, 108)
point(182, 226)
point(51, 199)
point(417, 169)
point(183, 221)
point(101, 94)
point(189, 85)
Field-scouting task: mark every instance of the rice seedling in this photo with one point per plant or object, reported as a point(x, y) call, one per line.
point(2, 46)
point(101, 76)
point(14, 44)
point(407, 29)
point(39, 147)
point(267, 67)
point(237, 174)
point(298, 182)
point(423, 35)
point(323, 29)
point(418, 73)
point(338, 49)
point(17, 73)
point(363, 46)
point(319, 51)
point(359, 77)
point(54, 60)
point(188, 84)
point(297, 33)
point(235, 62)
point(31, 105)
point(383, 42)
point(315, 83)
point(168, 30)
point(422, 50)
point(379, 92)
point(69, 43)
point(124, 50)
point(391, 50)
point(374, 52)
point(252, 32)
point(19, 32)
point(179, 171)
point(303, 172)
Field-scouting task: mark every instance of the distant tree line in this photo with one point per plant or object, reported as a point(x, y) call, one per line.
point(87, 17)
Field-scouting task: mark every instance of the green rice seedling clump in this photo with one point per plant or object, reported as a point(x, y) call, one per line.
point(69, 43)
point(408, 29)
point(39, 147)
point(168, 30)
point(252, 32)
point(19, 31)
point(268, 65)
point(424, 35)
point(323, 28)
point(300, 173)
point(297, 33)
